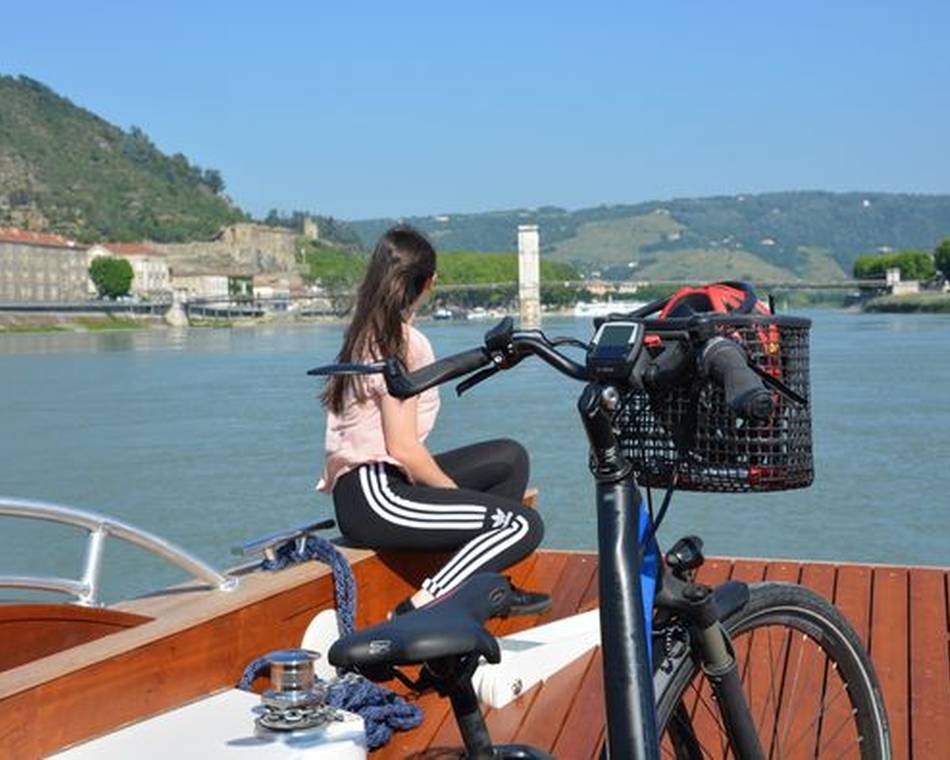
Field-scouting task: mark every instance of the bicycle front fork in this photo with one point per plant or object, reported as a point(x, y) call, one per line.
point(701, 609)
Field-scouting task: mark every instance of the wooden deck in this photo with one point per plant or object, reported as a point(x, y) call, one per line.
point(192, 641)
point(900, 613)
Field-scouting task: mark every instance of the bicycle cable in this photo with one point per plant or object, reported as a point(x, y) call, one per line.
point(667, 498)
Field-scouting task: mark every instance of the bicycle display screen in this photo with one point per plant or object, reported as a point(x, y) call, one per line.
point(614, 349)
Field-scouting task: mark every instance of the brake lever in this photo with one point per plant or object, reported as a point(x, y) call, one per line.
point(472, 380)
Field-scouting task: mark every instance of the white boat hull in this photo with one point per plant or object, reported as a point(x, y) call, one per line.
point(221, 727)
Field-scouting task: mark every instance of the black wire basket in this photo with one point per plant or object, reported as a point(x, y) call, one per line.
point(688, 438)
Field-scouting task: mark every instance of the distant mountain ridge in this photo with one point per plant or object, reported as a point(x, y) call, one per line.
point(65, 170)
point(801, 234)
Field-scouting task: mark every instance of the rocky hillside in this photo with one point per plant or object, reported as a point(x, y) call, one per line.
point(240, 249)
point(64, 169)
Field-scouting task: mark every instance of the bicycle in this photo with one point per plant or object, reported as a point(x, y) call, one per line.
point(682, 679)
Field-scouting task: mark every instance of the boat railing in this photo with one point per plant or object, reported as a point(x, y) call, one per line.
point(100, 527)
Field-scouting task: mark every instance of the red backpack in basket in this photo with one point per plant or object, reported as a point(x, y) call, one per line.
point(729, 298)
point(719, 297)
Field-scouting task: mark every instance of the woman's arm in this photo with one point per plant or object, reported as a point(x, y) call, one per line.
point(402, 442)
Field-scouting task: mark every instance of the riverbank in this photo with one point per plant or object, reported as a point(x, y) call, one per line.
point(924, 303)
point(14, 323)
point(52, 322)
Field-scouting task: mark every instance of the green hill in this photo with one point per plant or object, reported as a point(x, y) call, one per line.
point(66, 170)
point(803, 235)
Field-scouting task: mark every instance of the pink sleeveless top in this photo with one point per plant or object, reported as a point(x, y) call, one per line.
point(355, 437)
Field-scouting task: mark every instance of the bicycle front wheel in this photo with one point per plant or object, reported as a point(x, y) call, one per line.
point(809, 683)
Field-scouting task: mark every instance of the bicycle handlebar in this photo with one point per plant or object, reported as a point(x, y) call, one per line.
point(534, 342)
point(402, 384)
point(719, 358)
point(723, 360)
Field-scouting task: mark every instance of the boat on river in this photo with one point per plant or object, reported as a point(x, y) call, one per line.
point(158, 672)
point(480, 312)
point(590, 309)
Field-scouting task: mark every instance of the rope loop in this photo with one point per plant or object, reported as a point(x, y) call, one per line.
point(383, 711)
point(344, 583)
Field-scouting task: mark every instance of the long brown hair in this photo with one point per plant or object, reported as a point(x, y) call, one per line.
point(402, 263)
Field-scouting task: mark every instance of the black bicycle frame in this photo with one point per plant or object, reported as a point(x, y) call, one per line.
point(632, 732)
point(628, 674)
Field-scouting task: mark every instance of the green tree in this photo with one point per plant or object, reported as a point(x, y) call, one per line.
point(914, 265)
point(472, 267)
point(111, 276)
point(332, 267)
point(213, 179)
point(942, 257)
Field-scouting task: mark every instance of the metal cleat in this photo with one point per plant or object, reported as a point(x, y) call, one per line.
point(271, 544)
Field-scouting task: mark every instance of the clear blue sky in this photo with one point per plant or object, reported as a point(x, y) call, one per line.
point(388, 109)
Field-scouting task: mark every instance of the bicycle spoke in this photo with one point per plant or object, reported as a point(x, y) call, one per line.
point(747, 679)
point(780, 747)
point(666, 746)
point(821, 712)
point(848, 749)
point(780, 699)
point(841, 726)
point(795, 683)
point(772, 697)
point(715, 716)
point(675, 720)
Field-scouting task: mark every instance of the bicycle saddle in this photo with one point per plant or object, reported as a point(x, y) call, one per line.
point(451, 625)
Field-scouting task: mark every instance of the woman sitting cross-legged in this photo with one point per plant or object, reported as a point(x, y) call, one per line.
point(388, 491)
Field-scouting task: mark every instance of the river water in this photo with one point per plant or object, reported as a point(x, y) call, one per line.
point(211, 437)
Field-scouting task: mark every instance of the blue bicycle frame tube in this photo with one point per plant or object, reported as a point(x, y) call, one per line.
point(649, 567)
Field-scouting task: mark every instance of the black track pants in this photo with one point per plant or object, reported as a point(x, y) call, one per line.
point(484, 519)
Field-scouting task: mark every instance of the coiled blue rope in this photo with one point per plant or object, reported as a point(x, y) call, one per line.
point(382, 710)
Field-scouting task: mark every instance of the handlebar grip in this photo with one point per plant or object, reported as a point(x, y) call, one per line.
point(725, 361)
point(402, 384)
point(667, 369)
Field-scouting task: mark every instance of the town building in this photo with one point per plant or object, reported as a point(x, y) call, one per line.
point(204, 286)
point(898, 287)
point(38, 267)
point(602, 288)
point(275, 289)
point(152, 275)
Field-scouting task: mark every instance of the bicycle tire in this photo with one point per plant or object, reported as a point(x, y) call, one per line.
point(807, 626)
